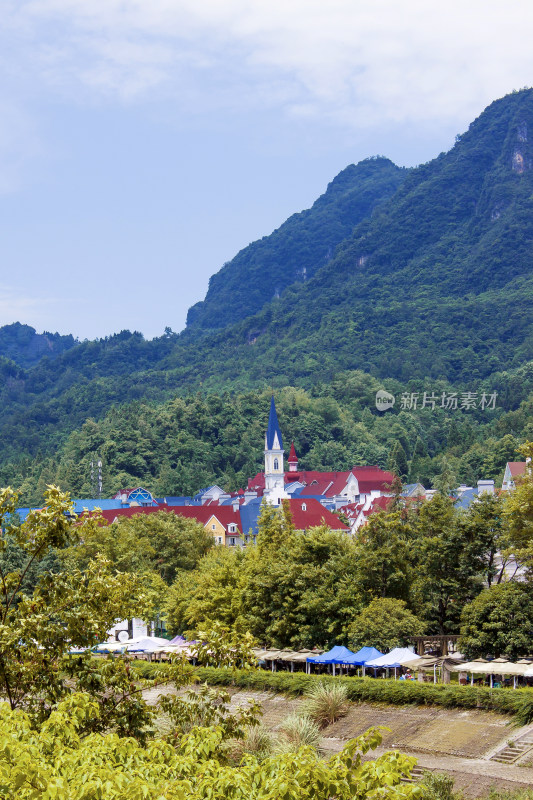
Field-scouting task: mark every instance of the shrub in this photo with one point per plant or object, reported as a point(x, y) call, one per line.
point(437, 786)
point(258, 742)
point(326, 702)
point(505, 701)
point(298, 730)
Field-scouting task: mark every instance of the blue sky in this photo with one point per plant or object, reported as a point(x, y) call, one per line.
point(144, 142)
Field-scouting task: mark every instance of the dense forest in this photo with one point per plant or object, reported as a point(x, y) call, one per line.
point(416, 280)
point(181, 445)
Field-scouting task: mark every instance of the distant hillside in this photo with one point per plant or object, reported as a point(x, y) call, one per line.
point(23, 345)
point(297, 249)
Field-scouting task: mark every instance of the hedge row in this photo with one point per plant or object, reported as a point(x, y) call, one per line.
point(518, 702)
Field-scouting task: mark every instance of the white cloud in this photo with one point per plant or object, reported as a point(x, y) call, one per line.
point(358, 61)
point(355, 64)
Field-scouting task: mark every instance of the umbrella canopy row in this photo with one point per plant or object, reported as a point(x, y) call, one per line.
point(144, 644)
point(499, 666)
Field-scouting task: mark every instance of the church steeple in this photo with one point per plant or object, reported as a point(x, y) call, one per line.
point(293, 459)
point(273, 439)
point(274, 469)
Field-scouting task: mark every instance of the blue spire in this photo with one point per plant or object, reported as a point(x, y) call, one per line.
point(273, 428)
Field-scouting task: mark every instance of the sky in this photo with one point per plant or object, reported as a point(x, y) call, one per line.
point(143, 143)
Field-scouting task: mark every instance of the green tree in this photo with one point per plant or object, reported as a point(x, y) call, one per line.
point(212, 592)
point(499, 622)
point(63, 610)
point(397, 462)
point(385, 623)
point(384, 556)
point(485, 525)
point(449, 564)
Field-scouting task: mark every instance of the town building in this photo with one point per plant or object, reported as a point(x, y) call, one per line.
point(513, 470)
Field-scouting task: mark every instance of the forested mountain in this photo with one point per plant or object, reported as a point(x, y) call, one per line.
point(437, 282)
point(432, 287)
point(23, 345)
point(178, 446)
point(299, 248)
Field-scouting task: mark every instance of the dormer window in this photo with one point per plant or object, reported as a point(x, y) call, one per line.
point(304, 506)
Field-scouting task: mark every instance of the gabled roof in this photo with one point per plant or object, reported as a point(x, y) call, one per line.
point(516, 468)
point(316, 487)
point(273, 428)
point(372, 478)
point(224, 514)
point(313, 515)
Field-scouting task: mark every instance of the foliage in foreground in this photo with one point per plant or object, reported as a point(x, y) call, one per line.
point(56, 762)
point(78, 728)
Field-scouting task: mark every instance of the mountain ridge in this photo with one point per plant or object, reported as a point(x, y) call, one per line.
point(299, 247)
point(434, 283)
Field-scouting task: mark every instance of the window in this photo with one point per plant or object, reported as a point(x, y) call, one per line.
point(276, 463)
point(304, 506)
point(214, 526)
point(232, 540)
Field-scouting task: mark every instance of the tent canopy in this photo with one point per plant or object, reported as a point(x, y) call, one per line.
point(496, 667)
point(337, 655)
point(396, 657)
point(363, 655)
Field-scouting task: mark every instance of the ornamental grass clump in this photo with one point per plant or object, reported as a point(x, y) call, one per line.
point(326, 703)
point(258, 742)
point(298, 730)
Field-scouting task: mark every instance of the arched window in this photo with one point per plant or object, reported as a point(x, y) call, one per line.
point(276, 463)
point(304, 507)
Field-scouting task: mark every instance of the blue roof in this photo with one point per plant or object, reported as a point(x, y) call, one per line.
point(273, 428)
point(364, 654)
point(178, 501)
point(466, 498)
point(249, 515)
point(23, 513)
point(91, 503)
point(337, 655)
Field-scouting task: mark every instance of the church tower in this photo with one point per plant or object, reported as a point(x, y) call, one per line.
point(274, 469)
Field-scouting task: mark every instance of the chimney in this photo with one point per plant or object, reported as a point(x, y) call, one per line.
point(485, 487)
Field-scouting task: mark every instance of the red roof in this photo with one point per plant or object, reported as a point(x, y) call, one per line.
point(293, 458)
point(316, 487)
point(516, 468)
point(370, 479)
point(380, 504)
point(309, 513)
point(224, 514)
point(111, 514)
